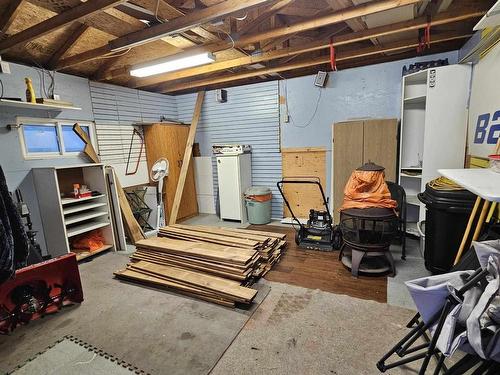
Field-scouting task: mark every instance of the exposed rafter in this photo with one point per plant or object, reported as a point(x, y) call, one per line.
point(75, 34)
point(215, 12)
point(263, 17)
point(399, 27)
point(8, 15)
point(364, 52)
point(56, 22)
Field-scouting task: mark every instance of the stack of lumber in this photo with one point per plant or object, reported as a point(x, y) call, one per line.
point(269, 245)
point(229, 262)
point(210, 263)
point(199, 285)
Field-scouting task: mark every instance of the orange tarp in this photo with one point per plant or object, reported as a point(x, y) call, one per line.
point(366, 189)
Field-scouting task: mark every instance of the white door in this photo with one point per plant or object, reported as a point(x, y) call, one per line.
point(229, 190)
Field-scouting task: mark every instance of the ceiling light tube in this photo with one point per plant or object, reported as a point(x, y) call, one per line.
point(171, 64)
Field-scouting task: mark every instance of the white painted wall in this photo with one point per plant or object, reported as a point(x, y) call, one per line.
point(484, 107)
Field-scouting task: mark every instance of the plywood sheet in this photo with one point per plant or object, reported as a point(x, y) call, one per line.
point(169, 141)
point(304, 162)
point(347, 156)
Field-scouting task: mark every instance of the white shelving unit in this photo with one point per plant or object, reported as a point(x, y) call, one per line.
point(433, 128)
point(64, 218)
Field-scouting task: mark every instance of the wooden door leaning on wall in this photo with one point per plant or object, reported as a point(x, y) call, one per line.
point(169, 141)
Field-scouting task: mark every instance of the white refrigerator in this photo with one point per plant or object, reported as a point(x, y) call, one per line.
point(234, 174)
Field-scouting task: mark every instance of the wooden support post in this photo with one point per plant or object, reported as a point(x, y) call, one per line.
point(187, 158)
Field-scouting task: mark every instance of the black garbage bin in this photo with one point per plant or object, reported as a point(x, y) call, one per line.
point(446, 217)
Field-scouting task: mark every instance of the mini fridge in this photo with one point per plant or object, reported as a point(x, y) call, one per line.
point(234, 176)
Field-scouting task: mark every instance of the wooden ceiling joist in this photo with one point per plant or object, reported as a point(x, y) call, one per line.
point(196, 18)
point(218, 11)
point(263, 17)
point(56, 22)
point(8, 15)
point(341, 40)
point(359, 53)
point(78, 31)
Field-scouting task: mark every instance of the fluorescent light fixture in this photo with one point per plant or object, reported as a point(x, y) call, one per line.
point(171, 64)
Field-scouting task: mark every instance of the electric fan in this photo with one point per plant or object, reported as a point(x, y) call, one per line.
point(159, 171)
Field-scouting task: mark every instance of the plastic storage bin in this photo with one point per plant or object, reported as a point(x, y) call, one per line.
point(258, 203)
point(446, 216)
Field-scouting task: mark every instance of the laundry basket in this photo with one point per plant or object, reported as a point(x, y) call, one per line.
point(258, 203)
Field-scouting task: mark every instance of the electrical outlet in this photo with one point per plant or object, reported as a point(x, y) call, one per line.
point(4, 67)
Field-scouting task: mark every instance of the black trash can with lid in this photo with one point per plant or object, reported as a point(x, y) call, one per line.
point(446, 217)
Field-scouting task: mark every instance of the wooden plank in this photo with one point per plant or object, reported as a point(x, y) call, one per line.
point(189, 266)
point(214, 238)
point(232, 269)
point(263, 17)
point(260, 232)
point(132, 227)
point(187, 158)
point(305, 164)
point(347, 156)
point(195, 249)
point(133, 275)
point(56, 22)
point(264, 240)
point(380, 145)
point(9, 14)
point(68, 43)
point(212, 283)
point(89, 149)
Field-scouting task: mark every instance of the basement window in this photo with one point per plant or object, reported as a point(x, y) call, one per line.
point(51, 138)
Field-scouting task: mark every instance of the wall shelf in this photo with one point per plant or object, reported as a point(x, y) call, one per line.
point(84, 216)
point(26, 105)
point(415, 100)
point(82, 207)
point(80, 255)
point(65, 201)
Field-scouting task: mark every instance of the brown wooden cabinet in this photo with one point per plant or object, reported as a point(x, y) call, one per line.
point(169, 141)
point(356, 143)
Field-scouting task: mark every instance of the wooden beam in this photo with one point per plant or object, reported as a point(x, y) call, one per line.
point(263, 17)
point(215, 12)
point(224, 8)
point(188, 154)
point(56, 22)
point(9, 14)
point(363, 52)
point(70, 42)
point(399, 27)
point(329, 19)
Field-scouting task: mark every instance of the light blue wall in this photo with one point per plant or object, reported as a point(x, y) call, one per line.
point(250, 116)
point(369, 91)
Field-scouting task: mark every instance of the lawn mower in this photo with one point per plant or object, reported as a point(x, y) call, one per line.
point(318, 233)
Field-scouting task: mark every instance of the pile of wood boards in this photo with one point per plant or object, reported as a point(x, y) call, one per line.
point(269, 245)
point(210, 263)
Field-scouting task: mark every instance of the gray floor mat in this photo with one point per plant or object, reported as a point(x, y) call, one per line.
point(71, 355)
